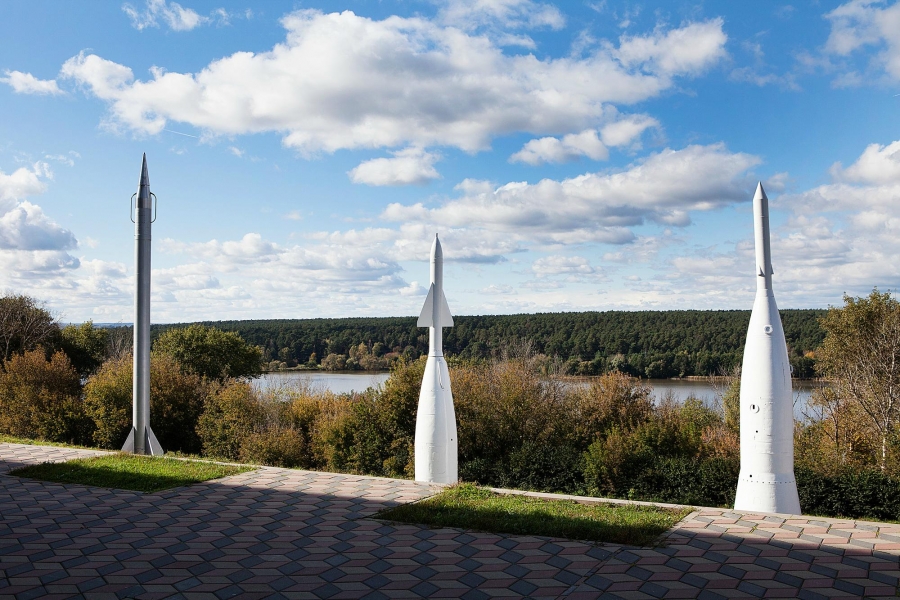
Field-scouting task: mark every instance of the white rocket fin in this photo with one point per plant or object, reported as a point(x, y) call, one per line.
point(446, 317)
point(426, 318)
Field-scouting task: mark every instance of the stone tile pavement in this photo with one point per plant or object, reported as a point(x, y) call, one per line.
point(280, 533)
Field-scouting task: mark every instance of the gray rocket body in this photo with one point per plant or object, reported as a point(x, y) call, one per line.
point(141, 440)
point(436, 446)
point(766, 482)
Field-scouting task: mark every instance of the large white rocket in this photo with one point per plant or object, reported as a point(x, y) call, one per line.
point(141, 439)
point(436, 443)
point(766, 482)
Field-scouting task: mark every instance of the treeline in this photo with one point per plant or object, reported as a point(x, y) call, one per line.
point(655, 344)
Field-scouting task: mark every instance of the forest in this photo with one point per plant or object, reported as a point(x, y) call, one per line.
point(654, 344)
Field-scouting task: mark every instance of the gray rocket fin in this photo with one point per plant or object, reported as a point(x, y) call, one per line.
point(129, 443)
point(153, 444)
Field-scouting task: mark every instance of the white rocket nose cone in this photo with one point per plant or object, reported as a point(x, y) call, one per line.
point(760, 193)
point(436, 251)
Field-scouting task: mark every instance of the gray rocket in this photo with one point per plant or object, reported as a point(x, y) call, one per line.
point(141, 439)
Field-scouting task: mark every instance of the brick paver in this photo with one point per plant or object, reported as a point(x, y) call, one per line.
point(281, 533)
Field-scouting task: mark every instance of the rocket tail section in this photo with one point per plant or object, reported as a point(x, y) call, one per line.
point(766, 482)
point(426, 317)
point(152, 446)
point(436, 444)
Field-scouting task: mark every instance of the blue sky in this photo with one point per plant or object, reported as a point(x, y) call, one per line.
point(573, 156)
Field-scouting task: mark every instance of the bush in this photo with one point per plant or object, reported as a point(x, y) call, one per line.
point(176, 402)
point(85, 345)
point(230, 415)
point(108, 402)
point(275, 447)
point(41, 399)
point(210, 352)
point(852, 493)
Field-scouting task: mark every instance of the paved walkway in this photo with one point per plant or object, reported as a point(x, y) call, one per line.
point(279, 533)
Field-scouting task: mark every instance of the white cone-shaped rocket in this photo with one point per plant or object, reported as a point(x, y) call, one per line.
point(436, 444)
point(141, 439)
point(766, 482)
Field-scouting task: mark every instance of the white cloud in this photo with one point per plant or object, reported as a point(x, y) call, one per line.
point(26, 227)
point(175, 16)
point(510, 14)
point(861, 23)
point(550, 266)
point(32, 246)
point(665, 187)
point(570, 147)
point(26, 83)
point(498, 288)
point(409, 166)
point(342, 81)
point(626, 131)
point(877, 165)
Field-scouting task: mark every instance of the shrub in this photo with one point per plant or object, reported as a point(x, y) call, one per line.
point(851, 493)
point(210, 352)
point(85, 345)
point(230, 415)
point(41, 398)
point(108, 402)
point(276, 447)
point(176, 401)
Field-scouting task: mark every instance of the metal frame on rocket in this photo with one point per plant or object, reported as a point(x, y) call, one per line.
point(436, 443)
point(141, 439)
point(766, 482)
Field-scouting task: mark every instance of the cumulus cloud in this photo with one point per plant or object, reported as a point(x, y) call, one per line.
point(409, 166)
point(626, 131)
point(509, 14)
point(550, 266)
point(866, 23)
point(172, 14)
point(31, 244)
point(600, 207)
point(841, 236)
point(877, 165)
point(570, 147)
point(26, 83)
point(342, 81)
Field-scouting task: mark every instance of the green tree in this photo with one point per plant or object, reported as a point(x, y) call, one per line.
point(176, 403)
point(85, 345)
point(210, 352)
point(41, 398)
point(25, 324)
point(861, 355)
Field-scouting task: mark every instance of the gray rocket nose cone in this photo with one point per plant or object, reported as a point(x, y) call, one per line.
point(145, 176)
point(760, 192)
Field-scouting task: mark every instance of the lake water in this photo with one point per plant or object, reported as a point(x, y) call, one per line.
point(342, 383)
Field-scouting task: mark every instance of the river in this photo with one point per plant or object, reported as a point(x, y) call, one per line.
point(342, 383)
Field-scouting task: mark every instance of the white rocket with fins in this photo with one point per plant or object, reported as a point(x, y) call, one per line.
point(141, 439)
point(766, 482)
point(436, 443)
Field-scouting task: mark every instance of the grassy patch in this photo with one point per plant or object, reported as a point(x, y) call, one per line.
point(469, 507)
point(129, 472)
point(11, 439)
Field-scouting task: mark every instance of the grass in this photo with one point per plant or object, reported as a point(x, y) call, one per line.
point(469, 507)
point(11, 439)
point(129, 472)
